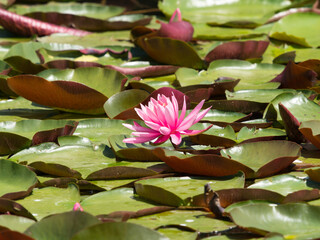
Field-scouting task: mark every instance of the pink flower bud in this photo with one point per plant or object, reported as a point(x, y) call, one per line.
point(176, 28)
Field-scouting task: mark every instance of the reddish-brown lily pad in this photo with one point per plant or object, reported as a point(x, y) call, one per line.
point(171, 51)
point(52, 135)
point(256, 159)
point(296, 77)
point(207, 164)
point(11, 143)
point(238, 50)
point(67, 95)
point(311, 131)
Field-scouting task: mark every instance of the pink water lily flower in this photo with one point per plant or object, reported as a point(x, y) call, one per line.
point(162, 118)
point(77, 207)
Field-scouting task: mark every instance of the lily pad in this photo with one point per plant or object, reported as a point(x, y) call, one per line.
point(91, 10)
point(299, 106)
point(259, 95)
point(118, 230)
point(55, 160)
point(279, 219)
point(311, 131)
point(181, 53)
point(11, 143)
point(265, 158)
point(121, 199)
point(73, 96)
point(236, 13)
point(61, 226)
point(283, 184)
point(51, 200)
point(122, 101)
point(178, 191)
point(292, 29)
point(194, 219)
point(16, 181)
point(15, 223)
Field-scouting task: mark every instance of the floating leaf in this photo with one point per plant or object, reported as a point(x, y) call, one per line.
point(73, 96)
point(279, 218)
point(311, 131)
point(251, 75)
point(121, 199)
point(52, 159)
point(264, 158)
point(179, 191)
point(26, 26)
point(237, 13)
point(292, 28)
point(52, 135)
point(90, 10)
point(206, 165)
point(238, 50)
point(122, 101)
point(179, 52)
point(61, 226)
point(120, 230)
point(15, 223)
point(296, 77)
point(300, 107)
point(16, 181)
point(52, 200)
point(11, 143)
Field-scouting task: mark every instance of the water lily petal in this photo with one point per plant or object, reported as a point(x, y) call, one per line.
point(189, 120)
point(175, 138)
point(146, 134)
point(201, 115)
point(165, 130)
point(137, 139)
point(161, 139)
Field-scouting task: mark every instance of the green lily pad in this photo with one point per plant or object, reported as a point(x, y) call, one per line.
point(205, 32)
point(27, 128)
point(236, 13)
point(258, 95)
point(61, 226)
point(56, 160)
point(15, 223)
point(99, 129)
point(280, 219)
point(122, 101)
point(251, 75)
point(215, 115)
point(51, 200)
point(16, 181)
point(178, 191)
point(265, 158)
point(292, 28)
point(121, 199)
point(23, 57)
point(253, 134)
point(118, 230)
point(285, 184)
point(195, 219)
point(300, 107)
point(91, 10)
